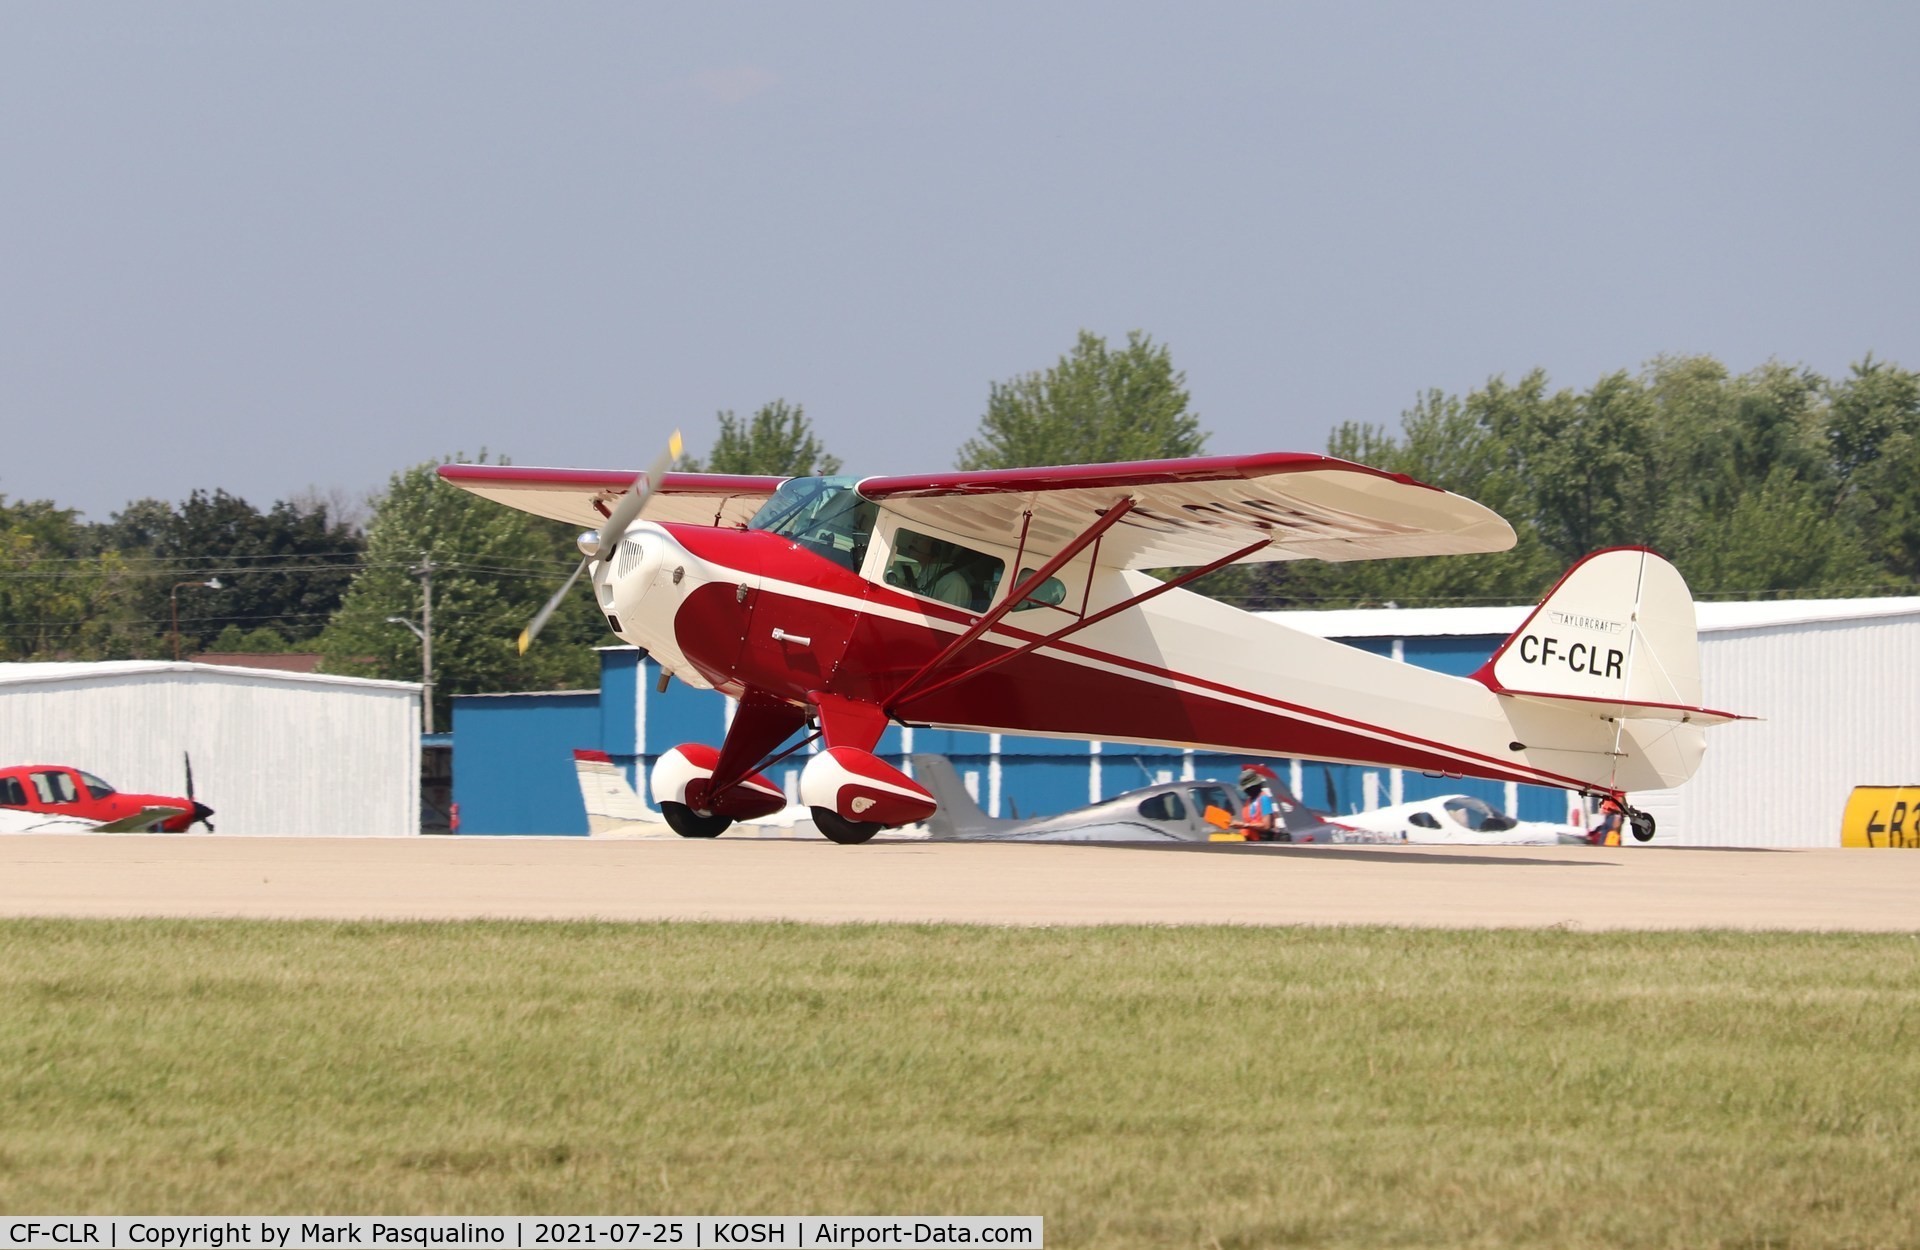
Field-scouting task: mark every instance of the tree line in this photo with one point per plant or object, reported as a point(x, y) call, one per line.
point(1772, 483)
point(233, 577)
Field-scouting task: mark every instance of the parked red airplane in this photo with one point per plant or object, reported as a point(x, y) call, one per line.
point(58, 790)
point(1019, 600)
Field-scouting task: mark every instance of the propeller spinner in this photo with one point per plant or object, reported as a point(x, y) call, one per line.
point(624, 513)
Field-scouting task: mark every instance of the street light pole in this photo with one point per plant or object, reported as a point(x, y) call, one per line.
point(426, 671)
point(173, 597)
point(424, 632)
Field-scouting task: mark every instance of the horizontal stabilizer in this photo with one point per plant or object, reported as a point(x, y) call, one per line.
point(1617, 709)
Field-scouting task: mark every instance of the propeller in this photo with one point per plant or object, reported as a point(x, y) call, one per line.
point(624, 514)
point(200, 810)
point(539, 621)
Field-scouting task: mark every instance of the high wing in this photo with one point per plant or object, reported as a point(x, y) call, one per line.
point(584, 497)
point(1191, 512)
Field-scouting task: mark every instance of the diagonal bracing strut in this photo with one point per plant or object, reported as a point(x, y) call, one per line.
point(1016, 597)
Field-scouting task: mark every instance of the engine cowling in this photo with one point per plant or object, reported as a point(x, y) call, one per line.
point(860, 786)
point(684, 775)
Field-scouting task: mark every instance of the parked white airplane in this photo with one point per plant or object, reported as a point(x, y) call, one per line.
point(615, 811)
point(1462, 820)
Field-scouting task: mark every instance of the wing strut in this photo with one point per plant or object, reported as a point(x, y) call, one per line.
point(995, 661)
point(1017, 596)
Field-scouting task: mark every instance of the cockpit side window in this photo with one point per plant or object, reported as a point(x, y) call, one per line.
point(1047, 594)
point(826, 515)
point(55, 787)
point(95, 787)
point(924, 565)
point(12, 793)
point(1163, 806)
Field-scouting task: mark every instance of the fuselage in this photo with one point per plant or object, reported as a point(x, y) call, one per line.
point(58, 790)
point(1461, 820)
point(793, 616)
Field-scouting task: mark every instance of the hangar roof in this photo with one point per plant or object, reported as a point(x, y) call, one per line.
point(1498, 622)
point(23, 672)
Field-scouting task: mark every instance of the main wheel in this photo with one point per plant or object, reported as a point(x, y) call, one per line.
point(839, 829)
point(688, 823)
point(1642, 826)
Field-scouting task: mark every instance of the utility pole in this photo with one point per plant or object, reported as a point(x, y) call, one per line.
point(426, 642)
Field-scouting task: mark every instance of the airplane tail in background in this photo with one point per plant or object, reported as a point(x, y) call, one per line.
point(614, 809)
point(958, 815)
point(1616, 641)
point(612, 806)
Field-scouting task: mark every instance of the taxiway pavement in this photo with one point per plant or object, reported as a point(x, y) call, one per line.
point(1001, 883)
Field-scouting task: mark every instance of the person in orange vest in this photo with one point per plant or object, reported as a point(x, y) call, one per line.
point(1612, 816)
point(1258, 818)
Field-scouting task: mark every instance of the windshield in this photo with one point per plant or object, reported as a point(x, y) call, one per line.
point(1472, 813)
point(824, 514)
point(1216, 804)
point(96, 787)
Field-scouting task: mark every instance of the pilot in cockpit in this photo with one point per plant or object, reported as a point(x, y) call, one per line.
point(917, 566)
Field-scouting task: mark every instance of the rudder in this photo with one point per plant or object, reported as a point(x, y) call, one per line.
point(958, 813)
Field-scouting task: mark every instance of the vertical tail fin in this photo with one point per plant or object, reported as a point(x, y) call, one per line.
point(1617, 630)
point(958, 815)
point(611, 803)
point(1603, 678)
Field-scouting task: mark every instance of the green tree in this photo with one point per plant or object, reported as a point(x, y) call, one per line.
point(491, 568)
point(59, 599)
point(1873, 430)
point(283, 570)
point(1095, 406)
point(1447, 442)
point(1732, 478)
point(778, 439)
point(1779, 539)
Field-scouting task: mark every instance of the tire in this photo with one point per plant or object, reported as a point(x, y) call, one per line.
point(838, 828)
point(1642, 826)
point(688, 823)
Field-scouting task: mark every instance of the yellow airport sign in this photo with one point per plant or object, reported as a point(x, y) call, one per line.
point(1882, 816)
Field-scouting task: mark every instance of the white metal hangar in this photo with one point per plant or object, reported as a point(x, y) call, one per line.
point(1834, 683)
point(273, 753)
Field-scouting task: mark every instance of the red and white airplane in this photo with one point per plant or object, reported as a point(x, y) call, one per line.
point(52, 797)
point(1018, 600)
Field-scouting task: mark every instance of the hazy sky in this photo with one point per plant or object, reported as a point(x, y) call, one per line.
point(274, 247)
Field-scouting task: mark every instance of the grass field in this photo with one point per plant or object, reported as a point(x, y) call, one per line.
point(1136, 1086)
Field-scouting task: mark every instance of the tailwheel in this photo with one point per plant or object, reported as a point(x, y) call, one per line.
point(688, 823)
point(839, 829)
point(1642, 825)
